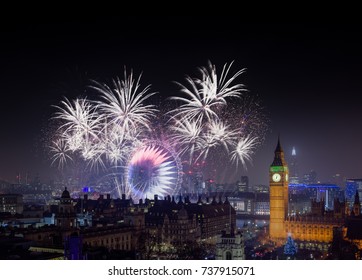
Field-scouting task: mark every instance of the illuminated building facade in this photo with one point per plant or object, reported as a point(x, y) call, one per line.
point(244, 203)
point(316, 226)
point(262, 204)
point(352, 185)
point(353, 229)
point(12, 203)
point(261, 189)
point(230, 246)
point(304, 194)
point(150, 229)
point(294, 174)
point(243, 185)
point(278, 178)
point(66, 216)
point(310, 178)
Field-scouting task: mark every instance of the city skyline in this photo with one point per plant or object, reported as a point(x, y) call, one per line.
point(306, 77)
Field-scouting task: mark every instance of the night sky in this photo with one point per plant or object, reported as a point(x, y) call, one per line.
point(308, 77)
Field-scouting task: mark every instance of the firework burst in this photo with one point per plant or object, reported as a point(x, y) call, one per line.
point(60, 152)
point(127, 138)
point(244, 150)
point(80, 118)
point(208, 120)
point(206, 95)
point(186, 135)
point(124, 104)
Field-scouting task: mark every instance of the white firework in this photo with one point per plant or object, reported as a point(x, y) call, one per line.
point(206, 95)
point(119, 147)
point(222, 88)
point(221, 134)
point(80, 118)
point(218, 134)
point(195, 106)
point(95, 161)
point(187, 134)
point(243, 150)
point(106, 131)
point(117, 152)
point(81, 129)
point(74, 141)
point(60, 151)
point(115, 132)
point(123, 104)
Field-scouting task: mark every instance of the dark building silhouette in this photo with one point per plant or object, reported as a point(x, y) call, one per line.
point(12, 203)
point(175, 222)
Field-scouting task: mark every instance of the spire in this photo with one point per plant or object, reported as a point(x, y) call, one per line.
point(278, 149)
point(278, 155)
point(356, 206)
point(294, 153)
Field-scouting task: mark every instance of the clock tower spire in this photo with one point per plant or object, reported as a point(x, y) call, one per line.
point(278, 181)
point(279, 155)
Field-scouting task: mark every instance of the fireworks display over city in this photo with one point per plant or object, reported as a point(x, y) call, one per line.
point(141, 102)
point(116, 134)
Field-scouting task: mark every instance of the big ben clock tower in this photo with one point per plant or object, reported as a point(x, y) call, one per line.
point(278, 181)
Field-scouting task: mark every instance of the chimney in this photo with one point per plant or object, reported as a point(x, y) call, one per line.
point(108, 196)
point(123, 196)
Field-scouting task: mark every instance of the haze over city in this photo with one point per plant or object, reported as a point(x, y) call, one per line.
point(306, 77)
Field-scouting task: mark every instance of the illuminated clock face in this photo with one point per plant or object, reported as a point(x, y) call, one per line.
point(276, 177)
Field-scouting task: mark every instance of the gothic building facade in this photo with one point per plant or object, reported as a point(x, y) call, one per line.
point(316, 226)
